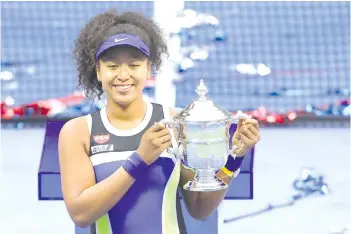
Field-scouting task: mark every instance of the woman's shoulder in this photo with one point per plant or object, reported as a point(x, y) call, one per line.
point(76, 127)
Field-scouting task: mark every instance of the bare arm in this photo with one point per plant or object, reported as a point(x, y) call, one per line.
point(85, 200)
point(201, 205)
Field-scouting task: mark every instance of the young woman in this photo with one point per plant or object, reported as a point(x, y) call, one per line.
point(116, 173)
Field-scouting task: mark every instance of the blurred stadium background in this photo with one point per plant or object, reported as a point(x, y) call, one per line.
point(286, 63)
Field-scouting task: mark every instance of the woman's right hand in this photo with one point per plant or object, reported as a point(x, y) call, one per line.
point(154, 141)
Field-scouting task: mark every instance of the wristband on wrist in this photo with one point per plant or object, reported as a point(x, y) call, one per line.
point(233, 164)
point(230, 173)
point(227, 172)
point(134, 165)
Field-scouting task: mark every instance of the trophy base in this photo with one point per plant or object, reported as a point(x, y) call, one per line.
point(205, 184)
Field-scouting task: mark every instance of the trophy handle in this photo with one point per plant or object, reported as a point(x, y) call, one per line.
point(239, 115)
point(235, 119)
point(173, 124)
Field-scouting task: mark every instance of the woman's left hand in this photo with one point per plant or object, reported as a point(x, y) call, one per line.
point(247, 134)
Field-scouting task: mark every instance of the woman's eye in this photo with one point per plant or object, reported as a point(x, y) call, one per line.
point(134, 65)
point(112, 66)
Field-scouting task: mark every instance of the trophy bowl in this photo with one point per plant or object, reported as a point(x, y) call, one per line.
point(203, 140)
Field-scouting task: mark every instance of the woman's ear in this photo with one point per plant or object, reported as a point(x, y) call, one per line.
point(149, 67)
point(98, 72)
point(98, 75)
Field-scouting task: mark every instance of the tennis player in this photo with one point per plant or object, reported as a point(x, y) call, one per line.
point(116, 174)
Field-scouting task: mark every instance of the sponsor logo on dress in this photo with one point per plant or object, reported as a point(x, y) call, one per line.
point(101, 148)
point(101, 139)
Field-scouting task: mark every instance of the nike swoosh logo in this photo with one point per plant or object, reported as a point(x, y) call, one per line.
point(122, 39)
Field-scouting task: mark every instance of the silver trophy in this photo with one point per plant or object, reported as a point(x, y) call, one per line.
point(203, 140)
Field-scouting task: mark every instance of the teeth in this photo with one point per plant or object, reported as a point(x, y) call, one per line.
point(123, 87)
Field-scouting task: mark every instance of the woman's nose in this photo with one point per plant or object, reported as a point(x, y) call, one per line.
point(124, 73)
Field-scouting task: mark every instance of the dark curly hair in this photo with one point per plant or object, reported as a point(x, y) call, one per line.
point(104, 25)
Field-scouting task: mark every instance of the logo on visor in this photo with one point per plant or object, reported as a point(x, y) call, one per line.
point(119, 40)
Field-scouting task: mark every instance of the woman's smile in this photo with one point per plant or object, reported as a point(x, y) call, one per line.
point(123, 88)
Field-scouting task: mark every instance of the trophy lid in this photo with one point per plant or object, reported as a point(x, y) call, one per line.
point(203, 109)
